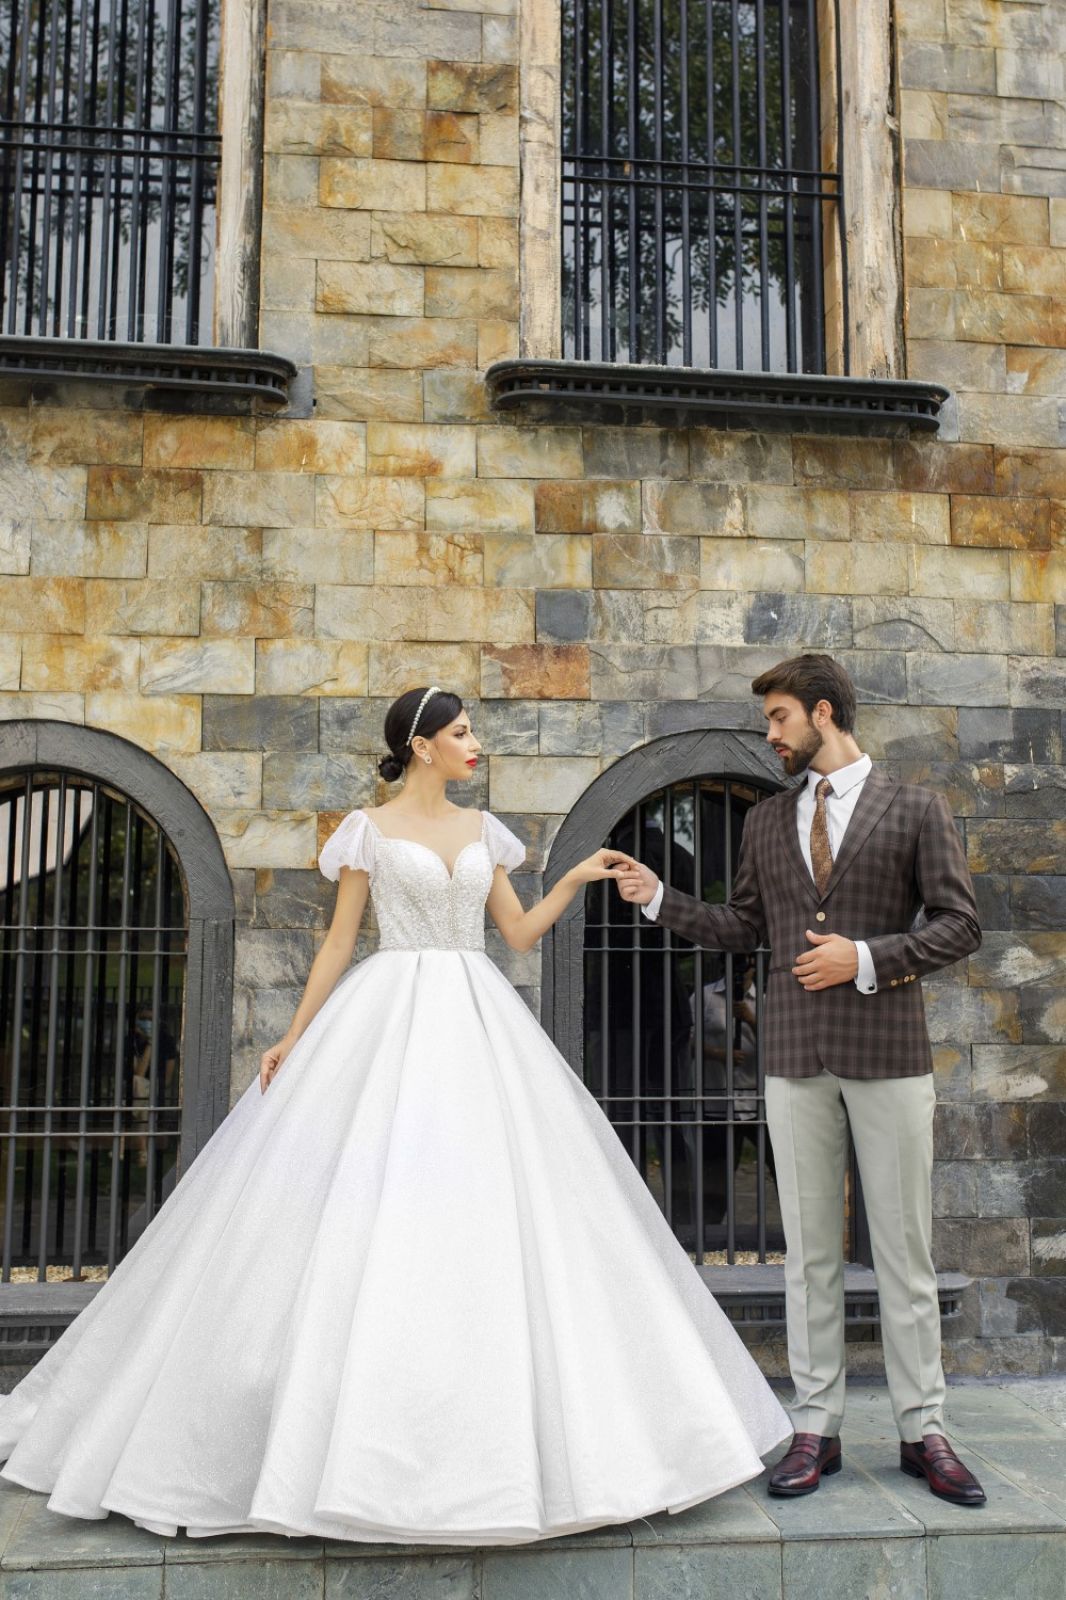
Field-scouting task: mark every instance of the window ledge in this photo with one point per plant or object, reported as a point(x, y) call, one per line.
point(754, 1297)
point(799, 402)
point(164, 377)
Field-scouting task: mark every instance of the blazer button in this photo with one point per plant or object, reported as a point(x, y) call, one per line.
point(894, 982)
point(819, 916)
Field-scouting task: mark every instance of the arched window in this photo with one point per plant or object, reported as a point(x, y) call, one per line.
point(106, 955)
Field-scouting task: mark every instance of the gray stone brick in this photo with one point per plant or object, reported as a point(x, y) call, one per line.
point(851, 1567)
point(993, 1245)
point(506, 727)
point(570, 728)
point(1047, 1130)
point(992, 892)
point(316, 782)
point(353, 725)
point(961, 69)
point(957, 680)
point(1036, 682)
point(1018, 1072)
point(961, 1015)
point(1041, 1304)
point(272, 958)
point(244, 1580)
point(617, 614)
point(879, 676)
point(970, 790)
point(1001, 1188)
point(292, 897)
point(684, 716)
point(577, 1574)
point(818, 622)
point(903, 623)
point(642, 672)
point(1002, 734)
point(965, 1131)
point(936, 164)
point(117, 1583)
point(450, 1577)
point(1060, 630)
point(725, 672)
point(635, 453)
point(1043, 1015)
point(1049, 1247)
point(563, 615)
point(269, 722)
point(1019, 959)
point(955, 1189)
point(1015, 845)
point(1045, 1194)
point(1038, 902)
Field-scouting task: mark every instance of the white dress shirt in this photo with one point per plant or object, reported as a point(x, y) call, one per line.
point(847, 785)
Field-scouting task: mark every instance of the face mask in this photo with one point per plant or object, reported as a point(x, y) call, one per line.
point(145, 1028)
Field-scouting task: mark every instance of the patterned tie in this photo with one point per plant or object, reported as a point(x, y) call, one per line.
point(821, 854)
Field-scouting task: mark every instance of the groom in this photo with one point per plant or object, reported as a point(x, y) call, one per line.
point(833, 873)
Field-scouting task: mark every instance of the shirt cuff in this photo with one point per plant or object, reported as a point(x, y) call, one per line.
point(866, 977)
point(654, 905)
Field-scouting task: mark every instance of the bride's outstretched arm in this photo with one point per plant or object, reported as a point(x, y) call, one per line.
point(520, 928)
point(330, 964)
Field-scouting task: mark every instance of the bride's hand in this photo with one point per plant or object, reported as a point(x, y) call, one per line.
point(601, 864)
point(271, 1061)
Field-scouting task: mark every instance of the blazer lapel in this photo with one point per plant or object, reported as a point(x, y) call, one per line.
point(877, 793)
point(791, 846)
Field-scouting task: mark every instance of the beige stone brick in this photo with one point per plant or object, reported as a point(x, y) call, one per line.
point(721, 456)
point(539, 561)
point(353, 79)
point(60, 436)
point(198, 666)
point(393, 505)
point(450, 396)
point(493, 505)
point(931, 314)
point(78, 663)
point(421, 343)
point(177, 552)
point(902, 518)
point(15, 545)
point(222, 779)
point(529, 453)
point(287, 283)
point(1008, 318)
point(48, 706)
point(470, 191)
point(429, 558)
point(471, 292)
point(367, 394)
point(165, 724)
point(1030, 472)
point(639, 561)
point(1038, 576)
point(1001, 524)
point(496, 341)
point(128, 494)
point(499, 139)
point(141, 606)
point(372, 185)
point(259, 499)
point(1001, 218)
point(498, 242)
point(927, 213)
point(672, 506)
point(379, 612)
point(1010, 419)
point(369, 288)
point(990, 627)
point(264, 610)
point(1030, 370)
point(965, 574)
point(424, 238)
point(290, 180)
point(341, 340)
point(1058, 222)
point(399, 135)
point(503, 615)
point(296, 445)
point(395, 667)
point(706, 617)
point(315, 233)
point(89, 549)
point(860, 569)
point(10, 663)
point(306, 555)
point(265, 839)
point(452, 136)
point(924, 114)
point(957, 364)
point(750, 564)
point(311, 667)
point(539, 783)
point(472, 86)
point(1034, 269)
point(775, 511)
point(46, 605)
point(420, 449)
point(198, 441)
point(588, 505)
point(499, 38)
point(294, 127)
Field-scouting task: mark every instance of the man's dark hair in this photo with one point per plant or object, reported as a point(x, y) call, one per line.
point(810, 678)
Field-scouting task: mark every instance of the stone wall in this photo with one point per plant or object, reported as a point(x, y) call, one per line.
point(244, 597)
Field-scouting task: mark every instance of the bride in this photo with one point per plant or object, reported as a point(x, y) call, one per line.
point(413, 1289)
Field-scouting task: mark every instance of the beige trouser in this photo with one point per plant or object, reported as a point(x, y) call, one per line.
point(892, 1129)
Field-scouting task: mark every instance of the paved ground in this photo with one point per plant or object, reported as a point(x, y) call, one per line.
point(868, 1534)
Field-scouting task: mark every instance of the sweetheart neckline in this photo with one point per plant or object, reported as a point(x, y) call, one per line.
point(394, 838)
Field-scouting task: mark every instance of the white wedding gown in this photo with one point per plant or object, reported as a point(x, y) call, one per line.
point(416, 1292)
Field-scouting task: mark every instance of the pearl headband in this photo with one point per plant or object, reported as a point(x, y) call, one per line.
point(426, 698)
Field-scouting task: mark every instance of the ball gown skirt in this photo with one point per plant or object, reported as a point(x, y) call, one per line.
point(416, 1292)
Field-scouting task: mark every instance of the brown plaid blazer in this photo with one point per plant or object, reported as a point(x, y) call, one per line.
point(900, 854)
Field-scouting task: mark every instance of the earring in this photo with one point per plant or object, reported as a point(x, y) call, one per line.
point(428, 760)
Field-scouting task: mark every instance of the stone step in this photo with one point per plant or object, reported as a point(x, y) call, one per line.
point(870, 1531)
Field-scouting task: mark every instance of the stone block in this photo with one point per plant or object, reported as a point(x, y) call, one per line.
point(263, 839)
point(310, 666)
point(503, 615)
point(1019, 1072)
point(905, 518)
point(550, 784)
point(471, 191)
point(356, 79)
point(260, 499)
point(818, 622)
point(939, 467)
point(954, 680)
point(923, 114)
point(353, 725)
point(1020, 471)
point(145, 605)
point(1019, 419)
point(544, 671)
point(992, 892)
point(1019, 959)
point(73, 662)
point(966, 1131)
point(1046, 1123)
point(397, 135)
point(472, 86)
point(1003, 626)
point(1033, 371)
point(290, 181)
point(364, 394)
point(15, 546)
point(563, 616)
point(50, 705)
point(971, 790)
point(420, 449)
point(960, 1015)
point(889, 733)
point(499, 38)
point(903, 623)
point(377, 503)
point(636, 453)
point(394, 667)
point(570, 728)
point(292, 899)
point(425, 238)
point(267, 722)
point(273, 958)
point(642, 561)
point(207, 552)
point(693, 508)
point(183, 442)
point(61, 436)
point(1049, 1247)
point(11, 652)
point(724, 673)
point(289, 445)
point(164, 724)
point(1017, 845)
point(547, 452)
point(1034, 269)
point(994, 1247)
point(976, 574)
point(455, 397)
point(487, 505)
point(305, 555)
point(447, 1577)
point(1037, 170)
point(776, 512)
point(958, 364)
point(751, 565)
point(497, 242)
point(453, 136)
point(1038, 576)
point(316, 233)
point(955, 1190)
point(316, 128)
point(420, 343)
point(130, 494)
point(543, 561)
point(314, 782)
point(1037, 682)
point(723, 456)
point(381, 611)
point(707, 617)
point(371, 185)
point(83, 549)
point(643, 672)
point(222, 779)
point(1043, 1014)
point(1035, 791)
point(926, 213)
point(854, 1566)
point(496, 341)
point(58, 494)
point(845, 463)
point(935, 163)
point(1038, 902)
point(957, 68)
point(263, 610)
point(1011, 318)
point(590, 506)
point(1020, 735)
point(365, 288)
point(429, 558)
point(1058, 221)
point(197, 666)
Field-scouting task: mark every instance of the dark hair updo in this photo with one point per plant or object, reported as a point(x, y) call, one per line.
point(441, 710)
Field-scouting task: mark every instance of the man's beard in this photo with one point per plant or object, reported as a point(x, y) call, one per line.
point(800, 758)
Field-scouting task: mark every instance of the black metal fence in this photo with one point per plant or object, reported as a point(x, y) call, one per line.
point(109, 151)
point(673, 1033)
point(92, 977)
point(693, 187)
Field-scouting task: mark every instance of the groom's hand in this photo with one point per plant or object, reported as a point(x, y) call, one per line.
point(833, 960)
point(637, 884)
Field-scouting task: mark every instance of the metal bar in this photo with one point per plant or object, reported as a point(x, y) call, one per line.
point(668, 979)
point(17, 181)
point(46, 220)
point(196, 214)
point(660, 241)
point(786, 156)
point(842, 218)
point(138, 176)
point(16, 1028)
point(606, 139)
point(167, 208)
point(86, 1035)
point(816, 351)
point(730, 1062)
point(153, 1065)
point(760, 1103)
point(738, 237)
point(119, 1048)
point(760, 119)
point(53, 1033)
point(686, 236)
point(712, 219)
point(700, 1107)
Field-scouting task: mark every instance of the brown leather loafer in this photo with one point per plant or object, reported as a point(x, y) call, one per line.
point(800, 1470)
point(936, 1462)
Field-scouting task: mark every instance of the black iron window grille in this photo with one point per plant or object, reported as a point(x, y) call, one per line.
point(109, 150)
point(673, 1033)
point(694, 192)
point(93, 943)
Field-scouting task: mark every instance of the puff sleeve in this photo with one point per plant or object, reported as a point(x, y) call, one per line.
point(351, 844)
point(505, 849)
